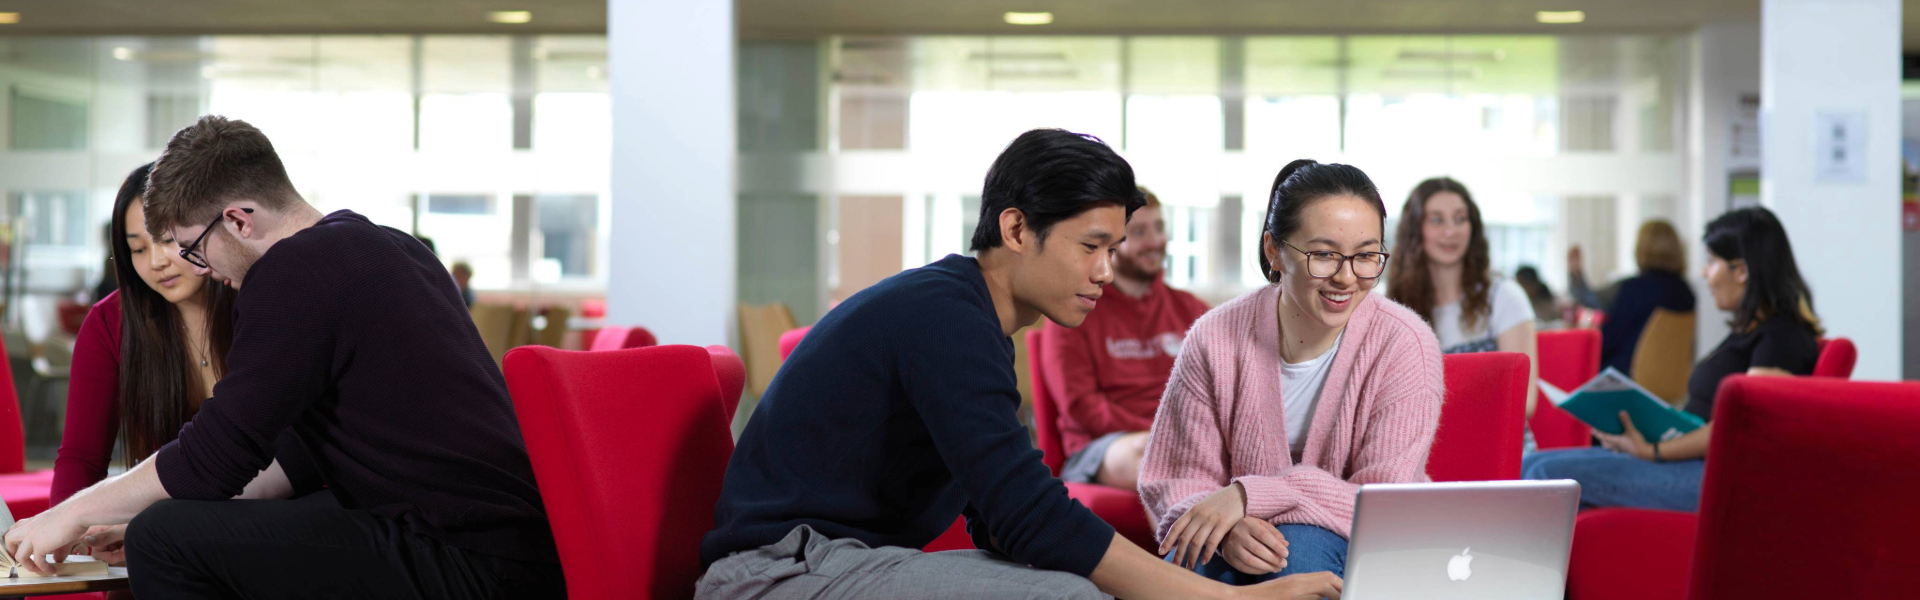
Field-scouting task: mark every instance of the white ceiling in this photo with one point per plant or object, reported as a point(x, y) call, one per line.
point(808, 18)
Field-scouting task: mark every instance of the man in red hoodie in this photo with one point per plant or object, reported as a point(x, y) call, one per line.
point(1108, 373)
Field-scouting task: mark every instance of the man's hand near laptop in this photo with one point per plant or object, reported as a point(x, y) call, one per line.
point(1128, 572)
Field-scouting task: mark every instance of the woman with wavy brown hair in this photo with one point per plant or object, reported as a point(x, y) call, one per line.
point(1442, 271)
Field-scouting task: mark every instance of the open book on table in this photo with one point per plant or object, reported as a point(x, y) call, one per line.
point(75, 566)
point(1599, 402)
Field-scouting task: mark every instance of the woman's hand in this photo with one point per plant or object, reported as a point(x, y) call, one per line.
point(1304, 586)
point(107, 544)
point(1196, 536)
point(1630, 442)
point(1255, 547)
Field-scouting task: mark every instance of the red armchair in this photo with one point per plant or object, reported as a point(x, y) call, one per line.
point(791, 339)
point(1479, 437)
point(1836, 358)
point(614, 337)
point(26, 493)
point(1823, 462)
point(1644, 554)
point(629, 448)
point(1568, 359)
point(1120, 508)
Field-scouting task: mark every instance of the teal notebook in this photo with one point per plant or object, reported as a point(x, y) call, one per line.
point(1599, 402)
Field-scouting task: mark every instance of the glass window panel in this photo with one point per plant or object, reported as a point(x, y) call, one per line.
point(568, 227)
point(1184, 65)
point(267, 81)
point(466, 81)
point(1287, 66)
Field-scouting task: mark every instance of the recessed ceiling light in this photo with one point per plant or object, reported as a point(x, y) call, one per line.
point(1029, 18)
point(123, 53)
point(1560, 17)
point(9, 18)
point(510, 16)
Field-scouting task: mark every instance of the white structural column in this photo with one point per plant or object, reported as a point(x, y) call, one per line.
point(1830, 112)
point(670, 72)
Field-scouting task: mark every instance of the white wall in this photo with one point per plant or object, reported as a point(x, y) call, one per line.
point(1725, 64)
point(1822, 57)
point(670, 72)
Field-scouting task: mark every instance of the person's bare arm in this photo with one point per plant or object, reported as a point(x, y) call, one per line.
point(115, 500)
point(1520, 338)
point(271, 484)
point(1129, 572)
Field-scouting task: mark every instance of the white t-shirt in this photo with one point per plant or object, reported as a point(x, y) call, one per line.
point(1300, 385)
point(1509, 306)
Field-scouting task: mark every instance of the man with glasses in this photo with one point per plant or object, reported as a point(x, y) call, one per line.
point(1107, 375)
point(352, 337)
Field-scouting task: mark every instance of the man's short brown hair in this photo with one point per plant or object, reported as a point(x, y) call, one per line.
point(212, 162)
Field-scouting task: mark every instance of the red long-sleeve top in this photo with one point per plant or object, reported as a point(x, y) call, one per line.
point(1108, 373)
point(93, 414)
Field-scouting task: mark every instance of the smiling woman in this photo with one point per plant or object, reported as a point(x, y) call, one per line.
point(1276, 498)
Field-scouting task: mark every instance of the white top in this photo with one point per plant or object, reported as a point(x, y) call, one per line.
point(1509, 305)
point(1300, 385)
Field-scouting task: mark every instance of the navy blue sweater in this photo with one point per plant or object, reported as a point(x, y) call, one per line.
point(353, 337)
point(895, 414)
point(1633, 307)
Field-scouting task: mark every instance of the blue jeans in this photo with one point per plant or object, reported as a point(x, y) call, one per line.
point(1310, 549)
point(1609, 478)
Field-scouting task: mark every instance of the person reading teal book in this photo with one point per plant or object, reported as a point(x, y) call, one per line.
point(1612, 403)
point(1751, 273)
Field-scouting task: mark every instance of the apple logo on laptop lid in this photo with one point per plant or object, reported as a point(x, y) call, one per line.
point(1459, 568)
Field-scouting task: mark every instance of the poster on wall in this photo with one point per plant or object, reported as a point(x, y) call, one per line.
point(1840, 146)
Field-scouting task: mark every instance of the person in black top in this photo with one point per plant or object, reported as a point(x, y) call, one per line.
point(897, 414)
point(1630, 302)
point(1751, 273)
point(352, 337)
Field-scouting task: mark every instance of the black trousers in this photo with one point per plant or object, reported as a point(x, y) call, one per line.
point(311, 548)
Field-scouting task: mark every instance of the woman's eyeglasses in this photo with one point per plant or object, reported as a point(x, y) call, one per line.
point(1323, 264)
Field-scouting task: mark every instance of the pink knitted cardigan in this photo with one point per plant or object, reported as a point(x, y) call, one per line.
point(1221, 419)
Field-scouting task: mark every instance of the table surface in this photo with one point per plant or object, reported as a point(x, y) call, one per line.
point(115, 579)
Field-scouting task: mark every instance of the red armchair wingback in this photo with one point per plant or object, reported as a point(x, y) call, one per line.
point(629, 448)
point(1568, 359)
point(1479, 437)
point(1120, 508)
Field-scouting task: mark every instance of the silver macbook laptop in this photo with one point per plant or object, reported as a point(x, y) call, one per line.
point(1484, 540)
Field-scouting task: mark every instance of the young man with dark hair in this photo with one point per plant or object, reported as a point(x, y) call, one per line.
point(352, 337)
point(896, 414)
point(1108, 373)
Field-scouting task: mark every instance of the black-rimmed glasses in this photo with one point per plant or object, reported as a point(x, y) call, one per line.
point(192, 251)
point(1323, 264)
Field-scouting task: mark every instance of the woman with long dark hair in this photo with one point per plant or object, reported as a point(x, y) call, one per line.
point(1751, 273)
point(1286, 400)
point(1443, 272)
point(147, 354)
